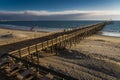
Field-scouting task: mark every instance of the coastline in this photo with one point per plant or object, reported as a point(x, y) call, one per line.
point(112, 34)
point(6, 37)
point(86, 58)
point(19, 34)
point(7, 28)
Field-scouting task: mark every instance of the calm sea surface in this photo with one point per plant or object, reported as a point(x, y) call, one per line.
point(110, 30)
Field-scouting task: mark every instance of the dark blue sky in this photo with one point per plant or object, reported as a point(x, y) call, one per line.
point(58, 5)
point(59, 9)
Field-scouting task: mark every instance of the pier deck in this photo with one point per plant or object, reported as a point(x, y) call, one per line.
point(24, 51)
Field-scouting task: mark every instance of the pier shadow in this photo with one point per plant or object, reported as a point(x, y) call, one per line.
point(72, 54)
point(91, 63)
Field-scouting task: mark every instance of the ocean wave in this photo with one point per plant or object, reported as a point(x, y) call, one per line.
point(114, 34)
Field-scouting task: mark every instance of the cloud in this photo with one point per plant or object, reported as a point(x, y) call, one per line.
point(59, 15)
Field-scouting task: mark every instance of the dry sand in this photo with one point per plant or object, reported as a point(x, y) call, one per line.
point(95, 58)
point(9, 35)
point(101, 45)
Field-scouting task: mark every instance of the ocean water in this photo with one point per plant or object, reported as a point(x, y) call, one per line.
point(109, 30)
point(112, 29)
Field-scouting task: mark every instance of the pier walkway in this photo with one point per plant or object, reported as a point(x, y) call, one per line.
point(24, 48)
point(28, 51)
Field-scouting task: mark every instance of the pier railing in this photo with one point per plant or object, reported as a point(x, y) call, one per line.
point(28, 52)
point(74, 34)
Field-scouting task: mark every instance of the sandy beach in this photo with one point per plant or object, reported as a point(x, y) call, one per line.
point(59, 39)
point(94, 58)
point(11, 35)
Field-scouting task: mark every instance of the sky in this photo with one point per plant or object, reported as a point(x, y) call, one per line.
point(59, 9)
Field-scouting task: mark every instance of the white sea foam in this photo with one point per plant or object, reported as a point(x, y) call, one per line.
point(114, 34)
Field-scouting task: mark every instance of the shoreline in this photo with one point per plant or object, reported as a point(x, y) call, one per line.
point(112, 34)
point(45, 30)
point(20, 29)
point(86, 59)
point(109, 34)
point(101, 33)
point(18, 33)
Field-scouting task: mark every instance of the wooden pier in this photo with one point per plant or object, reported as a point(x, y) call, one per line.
point(28, 51)
point(59, 39)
